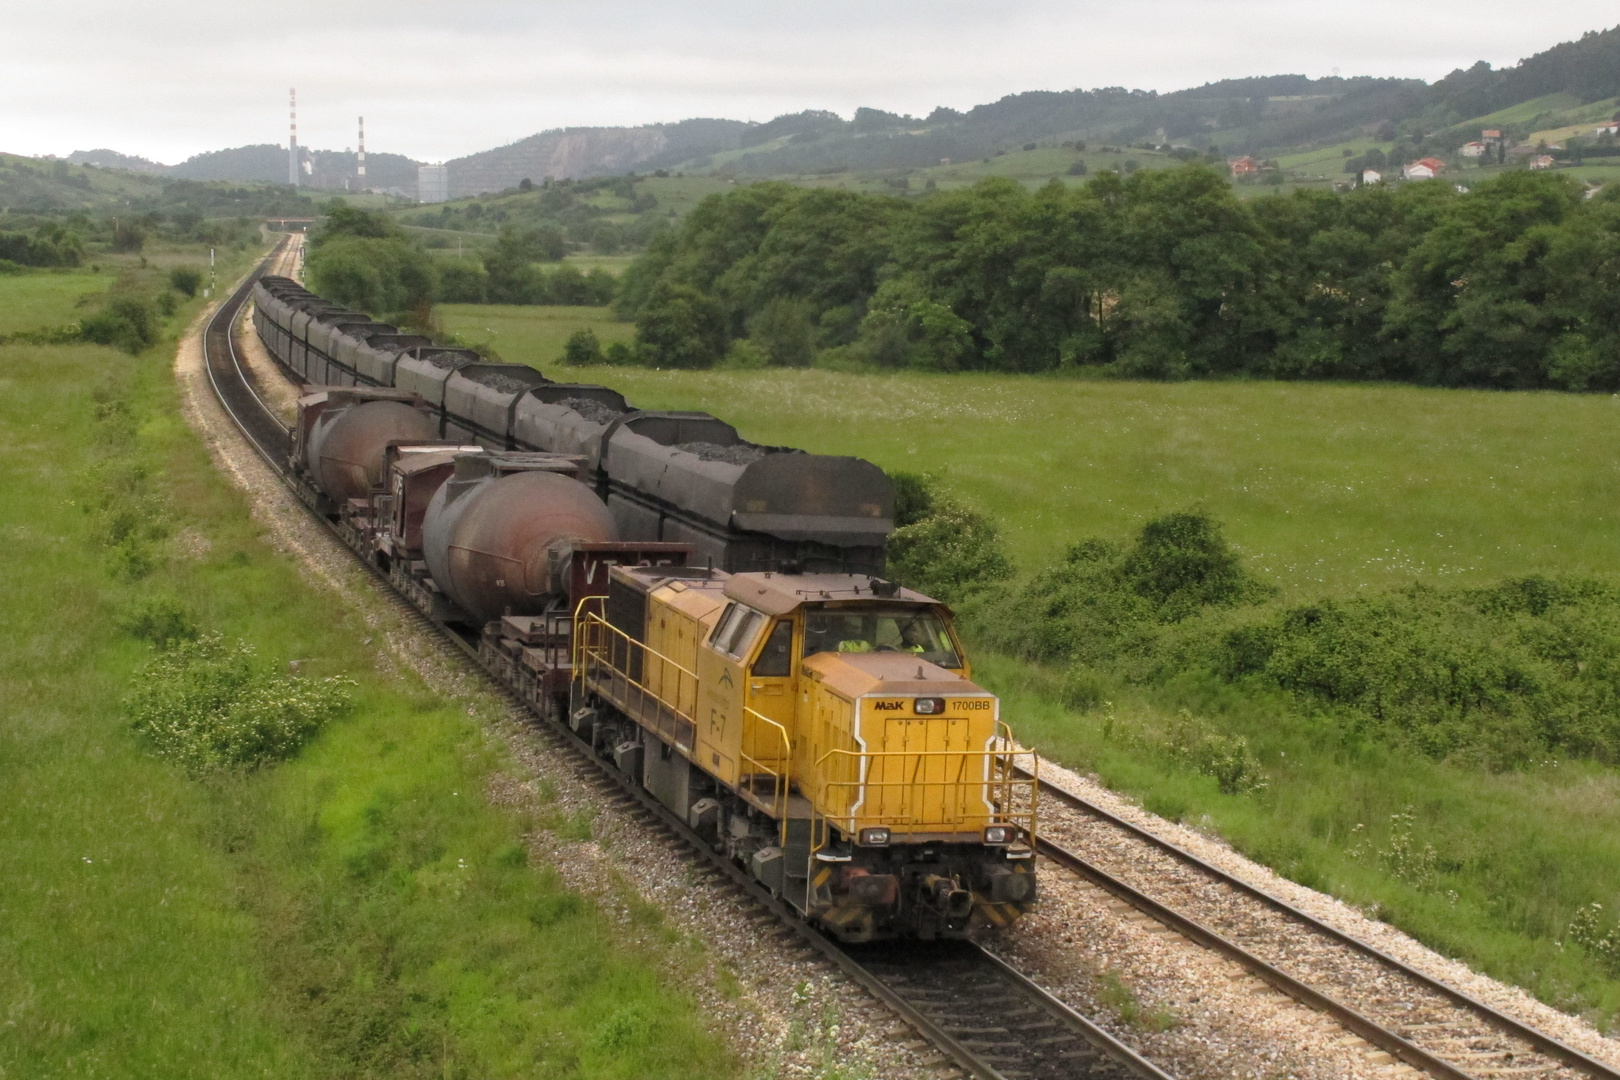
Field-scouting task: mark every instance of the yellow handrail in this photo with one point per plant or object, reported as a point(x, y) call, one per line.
point(637, 699)
point(779, 780)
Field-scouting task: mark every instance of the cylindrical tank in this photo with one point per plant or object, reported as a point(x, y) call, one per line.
point(347, 445)
point(500, 545)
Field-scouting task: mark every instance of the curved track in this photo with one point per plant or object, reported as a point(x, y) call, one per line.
point(985, 1017)
point(1408, 1014)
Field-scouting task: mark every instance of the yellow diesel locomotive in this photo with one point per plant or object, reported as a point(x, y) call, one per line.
point(824, 731)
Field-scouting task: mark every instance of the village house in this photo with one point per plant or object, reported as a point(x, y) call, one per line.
point(1371, 176)
point(1474, 150)
point(1244, 166)
point(1611, 128)
point(1543, 162)
point(1424, 169)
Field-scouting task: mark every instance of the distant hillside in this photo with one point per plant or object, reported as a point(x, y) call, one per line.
point(112, 159)
point(579, 153)
point(1268, 115)
point(31, 186)
point(327, 169)
point(1588, 68)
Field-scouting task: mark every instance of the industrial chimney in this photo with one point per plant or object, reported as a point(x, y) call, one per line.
point(360, 170)
point(292, 137)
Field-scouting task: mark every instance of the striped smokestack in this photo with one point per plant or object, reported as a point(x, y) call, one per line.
point(360, 171)
point(292, 137)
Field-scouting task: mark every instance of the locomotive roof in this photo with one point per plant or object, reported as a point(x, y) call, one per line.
point(778, 594)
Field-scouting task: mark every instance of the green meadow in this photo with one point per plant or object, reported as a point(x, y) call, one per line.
point(359, 910)
point(1326, 491)
point(517, 332)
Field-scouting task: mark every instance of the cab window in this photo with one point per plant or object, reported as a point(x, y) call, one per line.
point(915, 630)
point(747, 629)
point(725, 627)
point(777, 658)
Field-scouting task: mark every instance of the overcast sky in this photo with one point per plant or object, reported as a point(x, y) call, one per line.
point(169, 78)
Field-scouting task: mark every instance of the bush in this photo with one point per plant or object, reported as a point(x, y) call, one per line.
point(913, 497)
point(744, 355)
point(185, 279)
point(372, 274)
point(782, 328)
point(948, 552)
point(205, 707)
point(128, 237)
point(582, 349)
point(127, 322)
point(161, 621)
point(680, 327)
point(1181, 562)
point(463, 282)
point(1508, 673)
point(1083, 688)
point(1104, 604)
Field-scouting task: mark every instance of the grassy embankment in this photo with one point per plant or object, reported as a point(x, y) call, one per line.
point(360, 910)
point(1327, 491)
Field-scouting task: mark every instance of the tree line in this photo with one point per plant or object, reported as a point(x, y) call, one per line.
point(1163, 274)
point(366, 260)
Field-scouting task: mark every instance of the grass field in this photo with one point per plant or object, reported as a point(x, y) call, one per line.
point(41, 300)
point(523, 334)
point(361, 910)
point(1326, 490)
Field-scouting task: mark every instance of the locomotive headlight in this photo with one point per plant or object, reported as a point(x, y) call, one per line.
point(1000, 834)
point(874, 838)
point(928, 706)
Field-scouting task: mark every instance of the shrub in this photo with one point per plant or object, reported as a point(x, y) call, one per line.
point(1509, 672)
point(127, 322)
point(205, 706)
point(582, 349)
point(1603, 947)
point(947, 551)
point(373, 274)
point(1083, 688)
point(462, 281)
point(680, 327)
point(913, 497)
point(782, 328)
point(1106, 603)
point(1182, 562)
point(744, 355)
point(160, 620)
point(185, 279)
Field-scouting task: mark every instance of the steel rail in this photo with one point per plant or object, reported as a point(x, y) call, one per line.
point(930, 1029)
point(1389, 1041)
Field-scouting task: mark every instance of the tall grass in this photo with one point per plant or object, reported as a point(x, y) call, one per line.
point(358, 910)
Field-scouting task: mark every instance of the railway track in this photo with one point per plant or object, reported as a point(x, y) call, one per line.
point(982, 1015)
point(1412, 1016)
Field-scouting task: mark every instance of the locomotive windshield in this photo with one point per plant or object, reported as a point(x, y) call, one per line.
point(899, 628)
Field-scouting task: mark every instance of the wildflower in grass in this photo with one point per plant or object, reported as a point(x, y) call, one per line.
point(205, 706)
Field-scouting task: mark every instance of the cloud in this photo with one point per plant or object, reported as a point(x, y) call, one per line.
point(169, 79)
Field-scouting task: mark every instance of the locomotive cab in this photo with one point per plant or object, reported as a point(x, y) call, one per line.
point(824, 730)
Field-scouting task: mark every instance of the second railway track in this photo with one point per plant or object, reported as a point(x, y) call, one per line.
point(1414, 1017)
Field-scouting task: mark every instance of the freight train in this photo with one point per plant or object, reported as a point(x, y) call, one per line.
point(707, 613)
